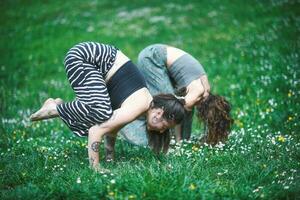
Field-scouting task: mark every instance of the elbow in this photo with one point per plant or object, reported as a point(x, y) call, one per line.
point(97, 131)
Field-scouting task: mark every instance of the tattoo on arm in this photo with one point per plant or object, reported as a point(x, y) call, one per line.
point(95, 146)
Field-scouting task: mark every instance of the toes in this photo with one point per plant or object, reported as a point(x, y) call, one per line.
point(33, 117)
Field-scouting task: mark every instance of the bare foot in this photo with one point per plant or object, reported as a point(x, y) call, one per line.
point(48, 110)
point(58, 101)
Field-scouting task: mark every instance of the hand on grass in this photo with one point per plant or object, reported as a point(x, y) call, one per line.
point(101, 170)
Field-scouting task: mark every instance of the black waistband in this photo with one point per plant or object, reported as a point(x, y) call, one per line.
point(123, 83)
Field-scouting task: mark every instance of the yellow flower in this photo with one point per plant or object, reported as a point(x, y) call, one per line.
point(290, 118)
point(111, 193)
point(194, 148)
point(268, 110)
point(281, 138)
point(131, 197)
point(289, 94)
point(192, 186)
point(239, 123)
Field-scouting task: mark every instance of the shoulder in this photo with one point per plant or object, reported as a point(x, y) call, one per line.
point(139, 101)
point(173, 54)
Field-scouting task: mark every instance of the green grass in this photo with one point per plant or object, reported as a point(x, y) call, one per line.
point(250, 50)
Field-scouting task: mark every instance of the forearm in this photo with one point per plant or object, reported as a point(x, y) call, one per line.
point(96, 134)
point(195, 91)
point(206, 85)
point(94, 140)
point(120, 117)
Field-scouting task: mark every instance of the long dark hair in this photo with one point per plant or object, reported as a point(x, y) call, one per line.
point(214, 113)
point(173, 111)
point(159, 142)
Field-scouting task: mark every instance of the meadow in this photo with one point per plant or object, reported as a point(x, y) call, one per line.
point(250, 51)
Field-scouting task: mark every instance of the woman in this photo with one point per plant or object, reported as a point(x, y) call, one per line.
point(111, 92)
point(169, 69)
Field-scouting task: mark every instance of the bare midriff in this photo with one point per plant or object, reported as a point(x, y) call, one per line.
point(120, 60)
point(173, 54)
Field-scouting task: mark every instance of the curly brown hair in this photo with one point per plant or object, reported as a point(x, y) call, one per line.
point(214, 112)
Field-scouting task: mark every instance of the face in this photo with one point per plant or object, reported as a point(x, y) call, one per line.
point(156, 122)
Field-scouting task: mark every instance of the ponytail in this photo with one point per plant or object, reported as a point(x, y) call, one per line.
point(214, 112)
point(173, 106)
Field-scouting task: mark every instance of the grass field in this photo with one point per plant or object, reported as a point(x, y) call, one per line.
point(250, 50)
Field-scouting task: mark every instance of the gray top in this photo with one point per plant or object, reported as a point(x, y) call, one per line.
point(185, 69)
point(135, 132)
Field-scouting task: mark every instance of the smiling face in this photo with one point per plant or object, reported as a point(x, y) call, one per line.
point(156, 121)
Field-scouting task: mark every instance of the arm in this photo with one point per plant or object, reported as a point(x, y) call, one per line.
point(197, 90)
point(119, 118)
point(194, 94)
point(206, 85)
point(94, 141)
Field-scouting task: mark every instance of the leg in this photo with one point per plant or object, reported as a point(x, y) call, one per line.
point(152, 63)
point(92, 105)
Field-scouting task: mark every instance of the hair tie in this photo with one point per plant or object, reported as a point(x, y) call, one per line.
point(179, 97)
